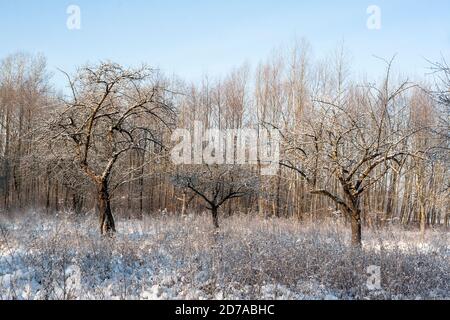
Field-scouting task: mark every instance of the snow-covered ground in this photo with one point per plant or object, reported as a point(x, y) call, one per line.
point(168, 257)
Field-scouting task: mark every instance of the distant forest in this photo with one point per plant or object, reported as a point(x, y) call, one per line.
point(369, 153)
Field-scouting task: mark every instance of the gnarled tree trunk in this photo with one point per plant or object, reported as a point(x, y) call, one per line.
point(77, 202)
point(356, 228)
point(107, 225)
point(354, 208)
point(215, 216)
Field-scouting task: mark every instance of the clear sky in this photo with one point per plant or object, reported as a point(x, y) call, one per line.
point(194, 37)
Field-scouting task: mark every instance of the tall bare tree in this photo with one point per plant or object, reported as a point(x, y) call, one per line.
point(355, 142)
point(111, 112)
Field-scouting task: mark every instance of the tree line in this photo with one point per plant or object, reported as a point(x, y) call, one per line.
point(372, 153)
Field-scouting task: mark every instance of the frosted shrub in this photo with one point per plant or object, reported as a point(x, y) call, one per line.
point(172, 257)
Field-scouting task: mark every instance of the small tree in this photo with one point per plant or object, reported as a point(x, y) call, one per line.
point(111, 112)
point(217, 184)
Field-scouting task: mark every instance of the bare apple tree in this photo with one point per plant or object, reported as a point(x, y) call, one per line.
point(112, 111)
point(216, 184)
point(354, 141)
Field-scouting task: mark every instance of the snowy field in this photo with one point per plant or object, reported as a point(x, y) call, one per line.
point(182, 258)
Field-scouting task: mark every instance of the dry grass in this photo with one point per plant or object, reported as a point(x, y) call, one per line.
point(168, 257)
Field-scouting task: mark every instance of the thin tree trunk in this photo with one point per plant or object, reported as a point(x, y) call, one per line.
point(183, 204)
point(6, 160)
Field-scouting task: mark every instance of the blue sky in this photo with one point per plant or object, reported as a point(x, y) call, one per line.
point(194, 37)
